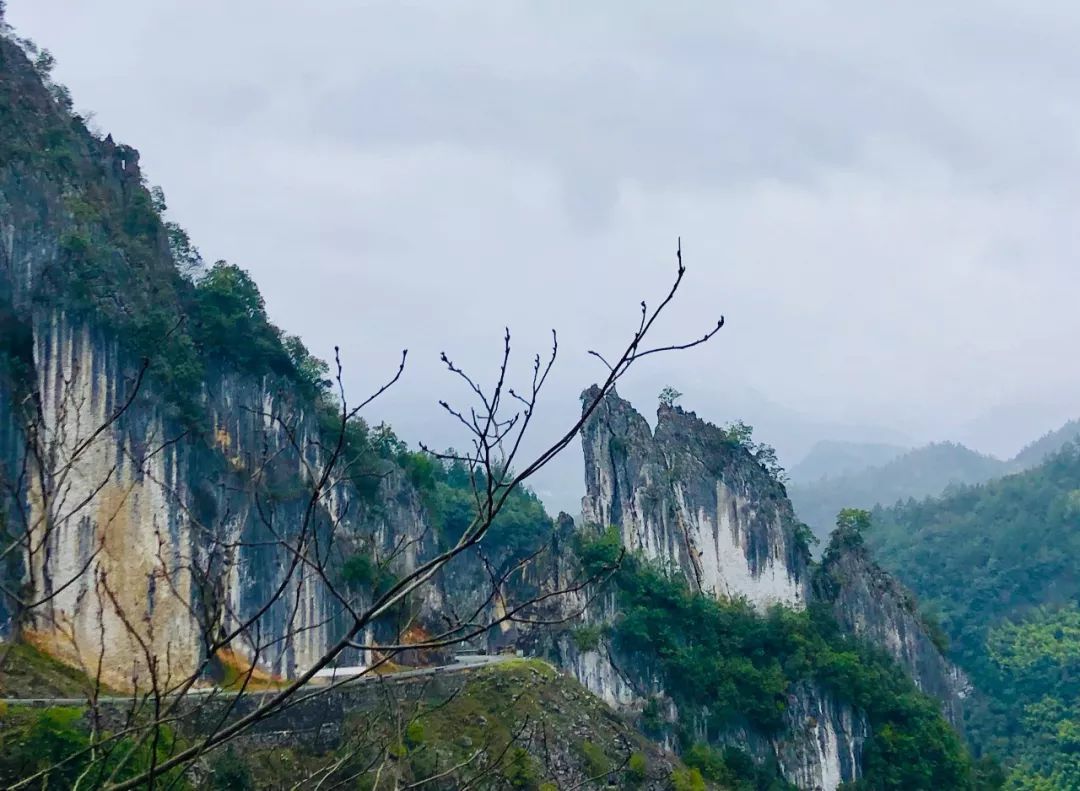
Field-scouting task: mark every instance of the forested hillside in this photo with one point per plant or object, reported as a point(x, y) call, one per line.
point(1045, 446)
point(729, 668)
point(848, 475)
point(916, 474)
point(997, 564)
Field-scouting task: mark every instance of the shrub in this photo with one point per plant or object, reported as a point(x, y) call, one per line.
point(230, 773)
point(587, 638)
point(596, 761)
point(521, 770)
point(687, 780)
point(414, 733)
point(637, 768)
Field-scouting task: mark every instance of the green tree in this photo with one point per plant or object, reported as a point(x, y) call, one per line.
point(687, 780)
point(637, 769)
point(669, 396)
point(184, 253)
point(230, 322)
point(853, 519)
point(740, 433)
point(311, 372)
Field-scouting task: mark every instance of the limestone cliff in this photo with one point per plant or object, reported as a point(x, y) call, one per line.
point(155, 516)
point(694, 499)
point(690, 496)
point(152, 535)
point(870, 603)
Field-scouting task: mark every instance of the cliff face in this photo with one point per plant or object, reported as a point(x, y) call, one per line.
point(151, 536)
point(148, 533)
point(819, 745)
point(869, 603)
point(824, 747)
point(690, 497)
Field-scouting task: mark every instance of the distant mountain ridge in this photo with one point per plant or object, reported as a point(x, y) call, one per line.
point(830, 457)
point(1045, 446)
point(830, 478)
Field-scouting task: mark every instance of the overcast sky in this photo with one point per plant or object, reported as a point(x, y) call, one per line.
point(882, 198)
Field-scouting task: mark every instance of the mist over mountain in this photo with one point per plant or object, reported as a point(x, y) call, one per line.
point(829, 458)
point(234, 557)
point(794, 434)
point(1007, 428)
point(858, 482)
point(916, 474)
point(1048, 444)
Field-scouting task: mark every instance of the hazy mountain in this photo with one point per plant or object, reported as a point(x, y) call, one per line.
point(794, 434)
point(1048, 444)
point(923, 472)
point(916, 474)
point(829, 458)
point(1008, 428)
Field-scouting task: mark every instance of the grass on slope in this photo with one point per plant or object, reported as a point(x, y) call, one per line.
point(26, 672)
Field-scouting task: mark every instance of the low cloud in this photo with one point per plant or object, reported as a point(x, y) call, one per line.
point(881, 200)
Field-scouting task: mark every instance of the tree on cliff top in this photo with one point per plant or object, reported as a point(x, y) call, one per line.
point(669, 396)
point(854, 520)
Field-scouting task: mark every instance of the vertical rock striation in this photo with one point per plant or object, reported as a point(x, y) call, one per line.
point(150, 537)
point(694, 499)
point(150, 530)
point(691, 497)
point(869, 603)
point(822, 746)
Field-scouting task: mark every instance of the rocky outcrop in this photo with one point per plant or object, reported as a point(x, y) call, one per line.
point(151, 538)
point(823, 746)
point(693, 498)
point(690, 496)
point(869, 603)
point(150, 530)
point(820, 746)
